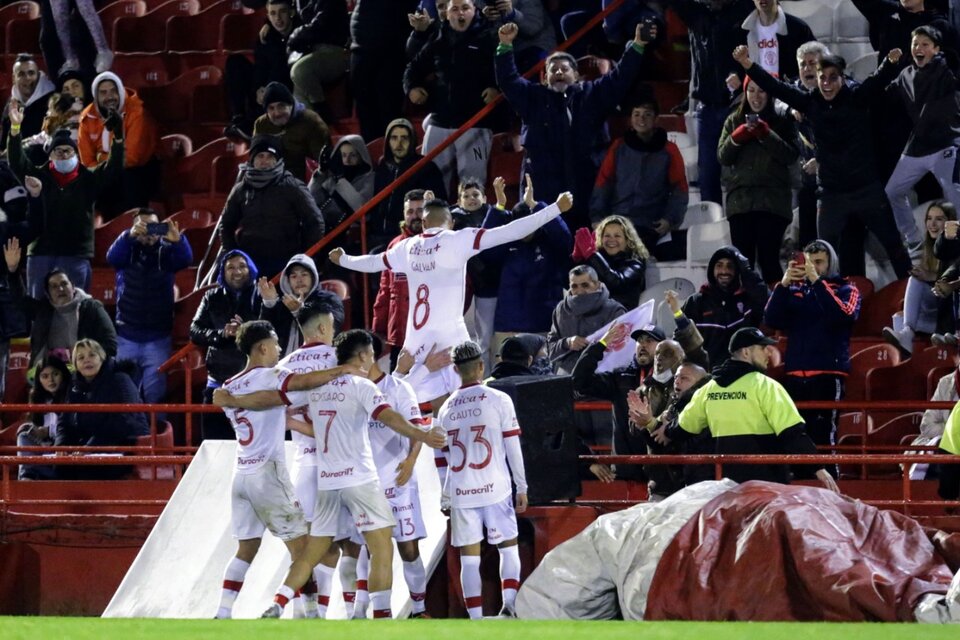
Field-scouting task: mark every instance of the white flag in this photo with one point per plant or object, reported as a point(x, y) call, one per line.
point(620, 354)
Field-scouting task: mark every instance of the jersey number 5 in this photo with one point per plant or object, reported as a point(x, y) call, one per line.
point(423, 304)
point(479, 439)
point(249, 425)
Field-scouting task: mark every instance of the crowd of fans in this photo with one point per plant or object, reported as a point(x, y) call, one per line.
point(780, 124)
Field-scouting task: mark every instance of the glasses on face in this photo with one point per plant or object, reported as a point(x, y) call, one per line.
point(63, 153)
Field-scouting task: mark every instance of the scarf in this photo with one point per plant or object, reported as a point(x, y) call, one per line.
point(262, 178)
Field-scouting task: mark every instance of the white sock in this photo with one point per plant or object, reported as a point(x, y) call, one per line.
point(324, 577)
point(470, 581)
point(308, 597)
point(232, 583)
point(416, 578)
point(348, 581)
point(363, 593)
point(381, 604)
point(284, 595)
point(509, 574)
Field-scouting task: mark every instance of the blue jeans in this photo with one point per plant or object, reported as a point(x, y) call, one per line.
point(710, 121)
point(77, 269)
point(147, 356)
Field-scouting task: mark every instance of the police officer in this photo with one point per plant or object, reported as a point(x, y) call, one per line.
point(748, 413)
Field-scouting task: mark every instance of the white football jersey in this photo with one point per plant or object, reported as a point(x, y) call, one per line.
point(389, 447)
point(476, 420)
point(310, 357)
point(340, 412)
point(259, 433)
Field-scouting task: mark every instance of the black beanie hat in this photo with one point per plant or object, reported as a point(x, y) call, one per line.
point(268, 143)
point(276, 92)
point(61, 138)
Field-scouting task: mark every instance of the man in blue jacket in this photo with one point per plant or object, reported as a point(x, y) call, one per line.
point(816, 308)
point(146, 263)
point(563, 118)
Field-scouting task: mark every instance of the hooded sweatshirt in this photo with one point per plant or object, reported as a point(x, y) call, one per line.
point(578, 316)
point(718, 312)
point(59, 327)
point(34, 108)
point(341, 190)
point(140, 133)
point(384, 221)
point(818, 319)
point(282, 318)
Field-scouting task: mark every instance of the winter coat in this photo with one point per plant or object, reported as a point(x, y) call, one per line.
point(930, 96)
point(791, 33)
point(324, 22)
point(643, 181)
point(533, 273)
point(891, 25)
point(757, 173)
point(113, 385)
point(218, 307)
point(562, 133)
point(270, 223)
point(145, 276)
point(271, 59)
point(459, 65)
point(24, 220)
point(141, 134)
point(817, 319)
point(393, 301)
point(381, 25)
point(623, 274)
point(483, 276)
point(67, 228)
point(846, 150)
point(93, 322)
point(304, 136)
point(340, 190)
point(34, 108)
point(578, 316)
point(718, 312)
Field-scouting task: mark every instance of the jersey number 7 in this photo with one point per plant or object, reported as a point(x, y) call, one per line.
point(478, 438)
point(329, 415)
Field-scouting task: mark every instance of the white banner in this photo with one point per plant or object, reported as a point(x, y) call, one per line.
point(620, 354)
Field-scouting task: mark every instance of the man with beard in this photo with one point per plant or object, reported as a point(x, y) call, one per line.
point(586, 307)
point(31, 88)
point(563, 118)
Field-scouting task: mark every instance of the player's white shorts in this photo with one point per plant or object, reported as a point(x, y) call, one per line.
point(304, 479)
point(467, 525)
point(347, 528)
point(438, 384)
point(265, 500)
point(405, 503)
point(365, 502)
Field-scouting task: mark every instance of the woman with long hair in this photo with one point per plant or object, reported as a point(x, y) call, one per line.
point(619, 257)
point(50, 386)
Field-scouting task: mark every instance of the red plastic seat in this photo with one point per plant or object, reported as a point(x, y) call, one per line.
point(225, 172)
point(23, 35)
point(199, 239)
point(239, 32)
point(17, 13)
point(174, 102)
point(104, 236)
point(174, 146)
point(139, 72)
point(892, 432)
point(933, 378)
point(876, 311)
point(164, 441)
point(507, 163)
point(184, 282)
point(193, 218)
point(375, 149)
point(862, 362)
point(865, 285)
point(183, 312)
point(119, 9)
point(103, 287)
point(200, 32)
point(193, 175)
point(148, 33)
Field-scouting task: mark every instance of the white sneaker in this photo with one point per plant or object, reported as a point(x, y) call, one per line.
point(103, 61)
point(903, 339)
point(273, 611)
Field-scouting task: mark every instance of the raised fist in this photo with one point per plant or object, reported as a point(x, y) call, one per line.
point(508, 33)
point(565, 201)
point(742, 55)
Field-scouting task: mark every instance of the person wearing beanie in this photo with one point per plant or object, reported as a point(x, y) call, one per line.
point(118, 111)
point(304, 133)
point(69, 193)
point(269, 213)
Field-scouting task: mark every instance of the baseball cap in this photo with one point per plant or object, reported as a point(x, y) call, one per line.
point(747, 337)
point(651, 330)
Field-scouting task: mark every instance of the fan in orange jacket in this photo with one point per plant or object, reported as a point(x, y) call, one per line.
point(140, 132)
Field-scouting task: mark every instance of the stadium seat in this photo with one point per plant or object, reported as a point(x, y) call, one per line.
point(147, 34)
point(875, 312)
point(506, 163)
point(192, 177)
point(682, 286)
point(175, 102)
point(672, 122)
point(103, 237)
point(892, 432)
point(184, 282)
point(933, 379)
point(375, 149)
point(849, 23)
point(199, 32)
point(23, 35)
point(174, 146)
point(240, 31)
point(138, 72)
point(702, 213)
point(119, 9)
point(164, 441)
point(183, 312)
point(852, 50)
point(862, 362)
point(199, 239)
point(865, 286)
point(193, 218)
point(863, 66)
point(817, 14)
point(17, 13)
point(103, 287)
point(704, 239)
point(342, 290)
point(225, 173)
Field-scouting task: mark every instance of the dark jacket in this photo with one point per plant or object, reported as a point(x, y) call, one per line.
point(509, 369)
point(644, 181)
point(818, 319)
point(713, 36)
point(484, 275)
point(578, 316)
point(757, 173)
point(383, 221)
point(791, 33)
point(68, 210)
point(381, 25)
point(562, 133)
point(113, 385)
point(145, 285)
point(34, 111)
point(218, 307)
point(623, 274)
point(891, 25)
point(846, 151)
point(930, 96)
point(718, 312)
point(459, 64)
point(92, 322)
point(533, 273)
point(270, 57)
point(270, 223)
point(324, 22)
point(24, 220)
point(304, 136)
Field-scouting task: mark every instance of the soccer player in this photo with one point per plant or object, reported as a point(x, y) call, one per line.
point(435, 265)
point(339, 415)
point(261, 486)
point(482, 437)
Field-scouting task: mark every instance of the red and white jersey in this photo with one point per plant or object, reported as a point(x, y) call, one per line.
point(340, 412)
point(389, 447)
point(259, 433)
point(310, 357)
point(477, 419)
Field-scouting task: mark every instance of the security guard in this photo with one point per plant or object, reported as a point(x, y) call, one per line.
point(748, 412)
point(950, 444)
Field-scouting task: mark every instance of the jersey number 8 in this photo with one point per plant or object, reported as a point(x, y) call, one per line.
point(423, 304)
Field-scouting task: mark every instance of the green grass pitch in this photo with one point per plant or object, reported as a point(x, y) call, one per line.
point(33, 628)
